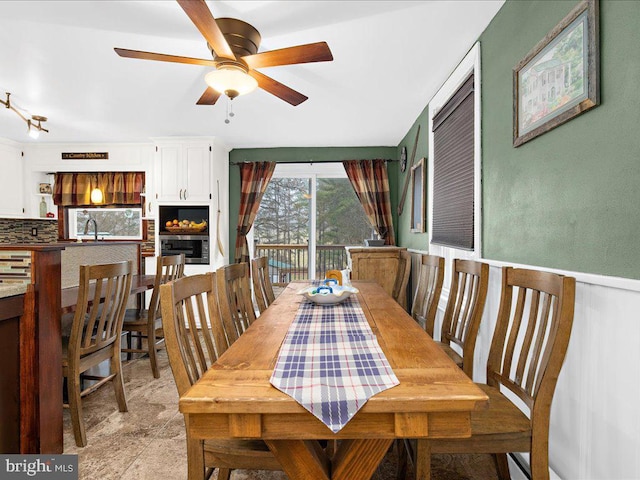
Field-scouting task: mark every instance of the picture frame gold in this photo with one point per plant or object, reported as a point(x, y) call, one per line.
point(559, 78)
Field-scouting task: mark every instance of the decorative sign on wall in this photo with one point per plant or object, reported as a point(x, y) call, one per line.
point(85, 156)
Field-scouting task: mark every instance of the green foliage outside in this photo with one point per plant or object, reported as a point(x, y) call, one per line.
point(283, 217)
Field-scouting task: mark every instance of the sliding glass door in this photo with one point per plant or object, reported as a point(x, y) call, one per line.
point(308, 214)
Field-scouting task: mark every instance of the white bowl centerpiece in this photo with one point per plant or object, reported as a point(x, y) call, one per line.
point(328, 294)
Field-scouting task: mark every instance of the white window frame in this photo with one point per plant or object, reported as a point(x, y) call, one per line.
point(311, 171)
point(73, 222)
point(469, 65)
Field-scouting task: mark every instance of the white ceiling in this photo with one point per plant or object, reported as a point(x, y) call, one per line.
point(57, 60)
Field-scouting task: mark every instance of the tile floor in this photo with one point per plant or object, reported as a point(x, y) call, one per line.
point(148, 441)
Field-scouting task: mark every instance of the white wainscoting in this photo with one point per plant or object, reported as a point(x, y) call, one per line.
point(595, 416)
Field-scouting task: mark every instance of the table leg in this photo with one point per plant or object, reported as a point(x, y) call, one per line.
point(423, 459)
point(359, 459)
point(195, 455)
point(300, 459)
point(354, 459)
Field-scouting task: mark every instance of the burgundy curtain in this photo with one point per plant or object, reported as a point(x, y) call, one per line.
point(371, 183)
point(118, 188)
point(254, 178)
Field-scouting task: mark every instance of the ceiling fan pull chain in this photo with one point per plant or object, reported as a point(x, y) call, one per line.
point(231, 114)
point(226, 120)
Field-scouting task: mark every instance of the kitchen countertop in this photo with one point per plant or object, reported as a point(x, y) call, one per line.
point(11, 289)
point(74, 243)
point(66, 243)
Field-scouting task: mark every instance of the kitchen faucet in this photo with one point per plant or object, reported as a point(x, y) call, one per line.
point(95, 228)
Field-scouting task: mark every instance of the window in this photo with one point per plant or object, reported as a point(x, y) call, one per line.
point(113, 223)
point(308, 214)
point(454, 161)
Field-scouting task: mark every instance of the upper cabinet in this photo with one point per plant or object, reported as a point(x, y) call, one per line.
point(11, 193)
point(183, 172)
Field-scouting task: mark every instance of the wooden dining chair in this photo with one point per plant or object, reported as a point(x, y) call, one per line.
point(234, 295)
point(427, 296)
point(402, 279)
point(146, 324)
point(527, 351)
point(461, 321)
point(262, 288)
point(195, 336)
point(95, 336)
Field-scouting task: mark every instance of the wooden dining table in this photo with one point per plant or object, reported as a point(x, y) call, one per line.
point(234, 398)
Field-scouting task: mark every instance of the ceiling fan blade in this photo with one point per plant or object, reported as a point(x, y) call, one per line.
point(209, 97)
point(278, 89)
point(312, 52)
point(123, 52)
point(202, 18)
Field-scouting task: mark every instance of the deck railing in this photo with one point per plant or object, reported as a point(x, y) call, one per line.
point(289, 262)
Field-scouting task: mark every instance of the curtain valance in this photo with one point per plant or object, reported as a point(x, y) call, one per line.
point(118, 188)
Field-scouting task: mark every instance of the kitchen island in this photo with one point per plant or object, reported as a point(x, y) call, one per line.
point(11, 315)
point(31, 277)
point(33, 328)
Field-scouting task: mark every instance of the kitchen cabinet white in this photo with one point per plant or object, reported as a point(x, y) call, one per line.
point(148, 194)
point(12, 191)
point(183, 172)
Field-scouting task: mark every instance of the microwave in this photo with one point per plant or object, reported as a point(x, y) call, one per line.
point(194, 247)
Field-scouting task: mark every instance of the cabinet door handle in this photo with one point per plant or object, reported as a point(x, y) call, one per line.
point(180, 194)
point(185, 193)
point(149, 207)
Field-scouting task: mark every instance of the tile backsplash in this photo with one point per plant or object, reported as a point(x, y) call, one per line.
point(20, 230)
point(15, 267)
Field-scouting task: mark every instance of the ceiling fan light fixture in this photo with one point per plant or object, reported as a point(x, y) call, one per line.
point(231, 80)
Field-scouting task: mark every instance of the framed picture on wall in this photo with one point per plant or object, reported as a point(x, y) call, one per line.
point(559, 77)
point(418, 196)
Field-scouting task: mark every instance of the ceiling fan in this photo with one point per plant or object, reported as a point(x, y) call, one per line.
point(234, 45)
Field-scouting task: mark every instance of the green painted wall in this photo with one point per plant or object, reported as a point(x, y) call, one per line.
point(419, 241)
point(569, 198)
point(317, 154)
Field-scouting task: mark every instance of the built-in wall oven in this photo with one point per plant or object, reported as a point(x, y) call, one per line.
point(177, 236)
point(194, 247)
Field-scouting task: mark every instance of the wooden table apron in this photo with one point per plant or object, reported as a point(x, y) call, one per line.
point(234, 398)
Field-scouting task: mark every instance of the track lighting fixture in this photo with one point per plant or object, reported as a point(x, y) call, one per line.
point(34, 124)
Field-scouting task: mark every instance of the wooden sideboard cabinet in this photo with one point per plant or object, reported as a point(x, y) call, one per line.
point(375, 263)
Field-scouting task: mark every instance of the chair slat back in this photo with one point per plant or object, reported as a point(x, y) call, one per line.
point(102, 301)
point(427, 296)
point(234, 294)
point(168, 268)
point(262, 287)
point(193, 330)
point(467, 297)
point(532, 334)
point(402, 279)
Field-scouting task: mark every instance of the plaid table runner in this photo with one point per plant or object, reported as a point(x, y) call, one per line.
point(331, 363)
